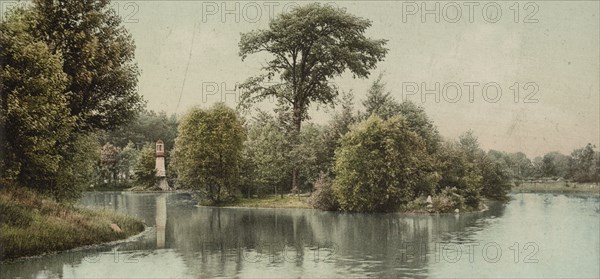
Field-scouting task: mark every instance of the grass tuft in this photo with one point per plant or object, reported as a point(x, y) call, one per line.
point(33, 224)
point(288, 201)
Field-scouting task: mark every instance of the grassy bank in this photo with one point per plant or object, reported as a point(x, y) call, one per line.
point(557, 187)
point(440, 204)
point(33, 224)
point(287, 201)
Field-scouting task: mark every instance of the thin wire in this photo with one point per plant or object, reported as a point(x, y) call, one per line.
point(187, 66)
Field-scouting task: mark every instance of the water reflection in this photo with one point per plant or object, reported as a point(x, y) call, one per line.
point(161, 220)
point(192, 241)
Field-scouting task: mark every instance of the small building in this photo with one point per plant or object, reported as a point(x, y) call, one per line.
point(161, 171)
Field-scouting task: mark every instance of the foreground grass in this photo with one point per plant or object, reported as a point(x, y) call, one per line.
point(287, 201)
point(557, 187)
point(32, 224)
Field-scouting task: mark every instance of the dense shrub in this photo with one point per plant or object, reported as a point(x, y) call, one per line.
point(378, 165)
point(448, 200)
point(323, 197)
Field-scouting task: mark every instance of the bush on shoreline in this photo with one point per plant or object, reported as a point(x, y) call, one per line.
point(323, 197)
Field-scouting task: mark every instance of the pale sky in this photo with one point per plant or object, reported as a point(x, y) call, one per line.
point(555, 53)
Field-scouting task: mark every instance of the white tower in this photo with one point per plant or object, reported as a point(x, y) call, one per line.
point(161, 172)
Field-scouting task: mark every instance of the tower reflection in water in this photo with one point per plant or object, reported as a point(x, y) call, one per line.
point(161, 220)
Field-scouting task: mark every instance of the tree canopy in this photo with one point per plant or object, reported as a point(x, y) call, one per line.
point(98, 59)
point(208, 151)
point(379, 164)
point(33, 110)
point(310, 45)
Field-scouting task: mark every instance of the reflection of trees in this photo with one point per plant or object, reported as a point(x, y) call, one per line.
point(140, 205)
point(211, 238)
point(224, 241)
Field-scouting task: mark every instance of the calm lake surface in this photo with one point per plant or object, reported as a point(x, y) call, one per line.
point(534, 235)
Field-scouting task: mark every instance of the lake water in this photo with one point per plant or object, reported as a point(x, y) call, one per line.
point(534, 235)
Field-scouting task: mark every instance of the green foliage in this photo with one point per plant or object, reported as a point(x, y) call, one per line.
point(116, 166)
point(147, 127)
point(378, 165)
point(519, 165)
point(80, 155)
point(459, 172)
point(33, 224)
point(109, 157)
point(473, 172)
point(552, 165)
point(144, 172)
point(268, 163)
point(323, 197)
point(495, 178)
point(266, 167)
point(419, 122)
point(310, 45)
point(67, 70)
point(333, 131)
point(448, 200)
point(307, 156)
point(208, 151)
point(380, 102)
point(469, 143)
point(98, 59)
point(584, 166)
point(33, 112)
point(126, 161)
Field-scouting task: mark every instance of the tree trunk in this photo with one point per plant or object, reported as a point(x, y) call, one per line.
point(297, 121)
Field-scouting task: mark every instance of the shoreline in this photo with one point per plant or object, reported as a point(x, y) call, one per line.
point(290, 201)
point(582, 189)
point(135, 237)
point(35, 225)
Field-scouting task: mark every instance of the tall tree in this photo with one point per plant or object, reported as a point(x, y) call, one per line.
point(98, 58)
point(582, 164)
point(379, 101)
point(469, 143)
point(208, 151)
point(33, 112)
point(310, 46)
point(420, 123)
